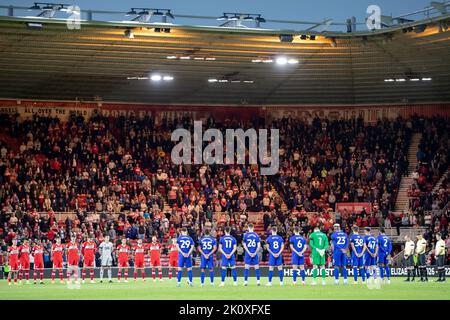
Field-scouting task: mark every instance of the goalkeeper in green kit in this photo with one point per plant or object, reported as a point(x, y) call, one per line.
point(318, 241)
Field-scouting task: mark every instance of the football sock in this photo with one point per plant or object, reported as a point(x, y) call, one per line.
point(92, 274)
point(190, 275)
point(270, 275)
point(345, 273)
point(159, 273)
point(34, 275)
point(323, 273)
point(109, 274)
point(41, 276)
point(101, 274)
point(234, 273)
point(153, 273)
point(125, 275)
point(170, 273)
point(355, 273)
point(211, 276)
point(281, 275)
point(388, 272)
point(202, 277)
point(21, 275)
point(258, 274)
point(294, 275)
point(53, 274)
point(362, 273)
point(180, 273)
point(303, 274)
point(135, 275)
point(382, 272)
point(223, 274)
point(315, 270)
point(83, 274)
point(336, 273)
point(61, 277)
point(245, 274)
point(119, 273)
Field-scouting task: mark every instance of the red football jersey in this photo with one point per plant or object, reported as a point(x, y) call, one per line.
point(88, 249)
point(24, 252)
point(139, 251)
point(72, 249)
point(13, 253)
point(123, 251)
point(38, 254)
point(155, 248)
point(57, 251)
point(173, 251)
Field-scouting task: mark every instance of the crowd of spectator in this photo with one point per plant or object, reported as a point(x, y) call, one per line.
point(116, 176)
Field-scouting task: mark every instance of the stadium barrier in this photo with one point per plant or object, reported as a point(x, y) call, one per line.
point(395, 272)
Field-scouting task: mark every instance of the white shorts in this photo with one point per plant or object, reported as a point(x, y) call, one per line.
point(106, 262)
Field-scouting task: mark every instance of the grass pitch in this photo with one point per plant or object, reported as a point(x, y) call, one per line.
point(167, 290)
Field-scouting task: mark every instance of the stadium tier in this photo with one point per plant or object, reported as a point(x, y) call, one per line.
point(229, 152)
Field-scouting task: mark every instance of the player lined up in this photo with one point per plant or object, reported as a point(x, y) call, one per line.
point(363, 252)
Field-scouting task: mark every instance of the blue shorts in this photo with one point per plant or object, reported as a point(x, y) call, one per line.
point(274, 262)
point(184, 262)
point(369, 260)
point(339, 259)
point(297, 260)
point(207, 263)
point(357, 261)
point(251, 261)
point(228, 262)
point(383, 258)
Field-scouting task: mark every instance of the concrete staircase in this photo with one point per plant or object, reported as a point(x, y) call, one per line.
point(402, 202)
point(439, 183)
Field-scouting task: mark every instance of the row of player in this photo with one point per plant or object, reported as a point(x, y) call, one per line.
point(365, 251)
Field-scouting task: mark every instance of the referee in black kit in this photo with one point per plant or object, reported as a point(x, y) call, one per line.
point(421, 251)
point(439, 255)
point(409, 257)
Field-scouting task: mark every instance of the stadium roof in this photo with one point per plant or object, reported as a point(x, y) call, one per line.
point(383, 66)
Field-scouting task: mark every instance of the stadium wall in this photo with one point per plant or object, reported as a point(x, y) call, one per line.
point(370, 113)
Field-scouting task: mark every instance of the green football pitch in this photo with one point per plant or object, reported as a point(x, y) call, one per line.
point(167, 290)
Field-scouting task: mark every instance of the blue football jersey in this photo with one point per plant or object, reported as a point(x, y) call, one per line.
point(251, 239)
point(371, 243)
point(298, 242)
point(185, 243)
point(384, 244)
point(275, 242)
point(358, 242)
point(340, 241)
point(228, 243)
point(207, 244)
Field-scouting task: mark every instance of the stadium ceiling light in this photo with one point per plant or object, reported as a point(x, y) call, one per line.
point(389, 80)
point(426, 79)
point(234, 19)
point(129, 34)
point(171, 57)
point(223, 17)
point(292, 61)
point(34, 7)
point(155, 77)
point(167, 78)
point(145, 14)
point(185, 57)
point(248, 81)
point(281, 60)
point(333, 42)
point(212, 80)
point(400, 80)
point(414, 79)
point(210, 59)
point(132, 12)
point(48, 10)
